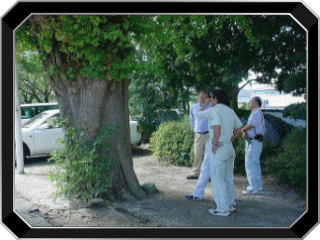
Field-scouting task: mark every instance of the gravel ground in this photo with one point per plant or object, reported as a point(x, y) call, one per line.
point(274, 207)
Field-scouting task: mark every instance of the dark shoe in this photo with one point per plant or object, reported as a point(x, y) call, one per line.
point(192, 177)
point(192, 198)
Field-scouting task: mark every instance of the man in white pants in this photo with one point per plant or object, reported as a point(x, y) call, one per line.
point(253, 132)
point(198, 192)
point(226, 126)
point(219, 158)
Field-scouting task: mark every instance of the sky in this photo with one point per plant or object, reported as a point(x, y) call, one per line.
point(271, 98)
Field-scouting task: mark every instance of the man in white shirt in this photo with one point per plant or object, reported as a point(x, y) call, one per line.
point(226, 126)
point(253, 132)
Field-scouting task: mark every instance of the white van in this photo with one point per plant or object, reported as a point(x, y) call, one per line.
point(30, 110)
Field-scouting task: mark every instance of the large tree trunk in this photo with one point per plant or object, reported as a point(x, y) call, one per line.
point(93, 104)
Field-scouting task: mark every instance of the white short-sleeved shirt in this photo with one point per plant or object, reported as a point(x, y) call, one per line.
point(223, 116)
point(256, 119)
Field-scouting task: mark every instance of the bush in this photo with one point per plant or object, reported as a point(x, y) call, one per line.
point(296, 111)
point(79, 165)
point(150, 124)
point(239, 164)
point(146, 129)
point(289, 167)
point(172, 143)
point(243, 114)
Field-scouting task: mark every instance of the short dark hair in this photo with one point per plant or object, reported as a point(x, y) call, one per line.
point(258, 101)
point(221, 95)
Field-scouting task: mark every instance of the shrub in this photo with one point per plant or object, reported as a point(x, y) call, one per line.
point(296, 111)
point(146, 129)
point(172, 143)
point(239, 164)
point(243, 114)
point(150, 124)
point(289, 167)
point(79, 166)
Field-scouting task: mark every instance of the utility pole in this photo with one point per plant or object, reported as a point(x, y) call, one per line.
point(18, 134)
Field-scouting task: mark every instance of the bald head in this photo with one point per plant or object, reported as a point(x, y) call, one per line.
point(255, 102)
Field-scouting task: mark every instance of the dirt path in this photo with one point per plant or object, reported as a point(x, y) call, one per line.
point(274, 207)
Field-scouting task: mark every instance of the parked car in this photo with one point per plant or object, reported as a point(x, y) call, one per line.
point(30, 110)
point(39, 134)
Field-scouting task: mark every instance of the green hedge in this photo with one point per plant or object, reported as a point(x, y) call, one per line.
point(172, 143)
point(289, 166)
point(296, 111)
point(239, 147)
point(150, 124)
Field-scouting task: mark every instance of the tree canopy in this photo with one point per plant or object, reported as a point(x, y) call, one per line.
point(190, 51)
point(202, 52)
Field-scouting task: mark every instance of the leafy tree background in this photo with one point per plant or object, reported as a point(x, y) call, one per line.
point(33, 81)
point(91, 61)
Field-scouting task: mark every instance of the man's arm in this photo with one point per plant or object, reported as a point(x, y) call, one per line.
point(216, 135)
point(206, 114)
point(246, 128)
point(235, 134)
point(191, 117)
point(253, 121)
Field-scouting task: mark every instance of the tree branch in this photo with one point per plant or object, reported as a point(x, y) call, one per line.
point(245, 84)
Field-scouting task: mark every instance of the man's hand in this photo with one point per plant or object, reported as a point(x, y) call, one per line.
point(203, 106)
point(235, 134)
point(215, 147)
point(244, 135)
point(207, 101)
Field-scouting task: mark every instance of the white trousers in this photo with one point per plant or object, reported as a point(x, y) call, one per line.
point(204, 173)
point(252, 164)
point(221, 169)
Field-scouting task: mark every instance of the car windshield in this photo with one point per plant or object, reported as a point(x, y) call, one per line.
point(34, 120)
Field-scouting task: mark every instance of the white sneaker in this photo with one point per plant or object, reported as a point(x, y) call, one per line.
point(218, 213)
point(250, 192)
